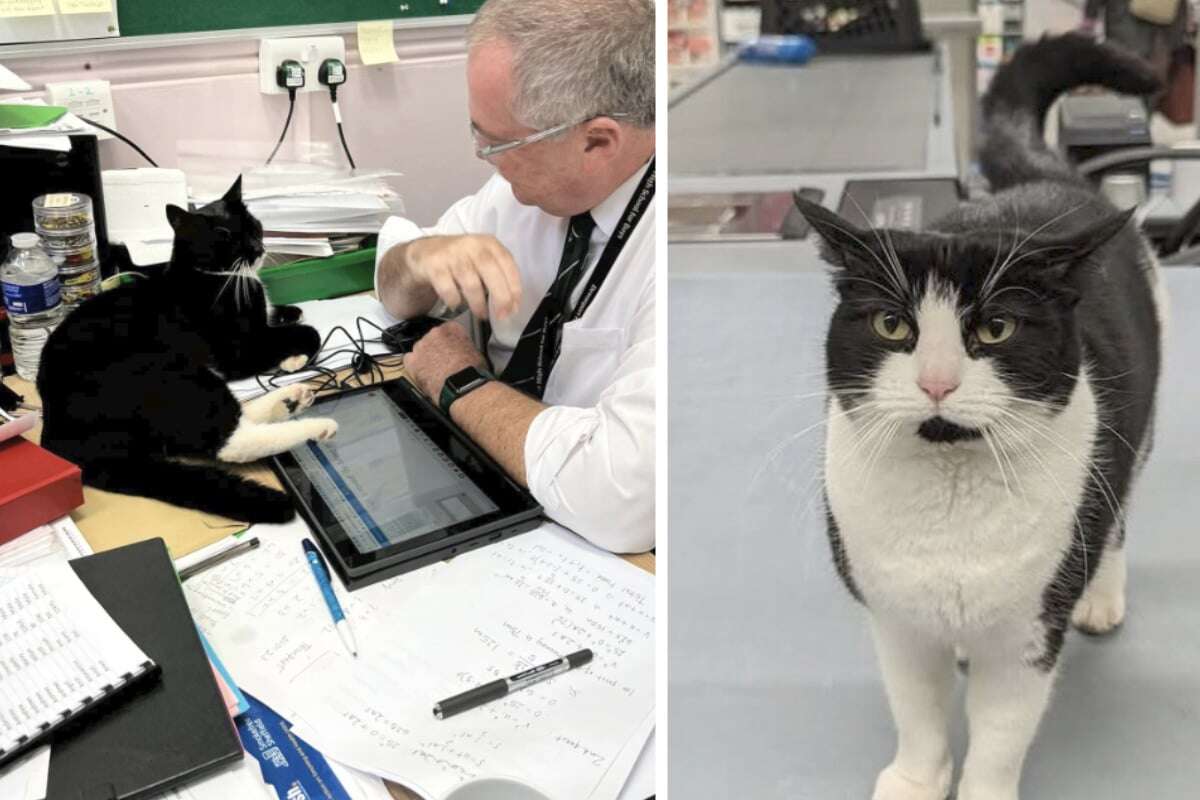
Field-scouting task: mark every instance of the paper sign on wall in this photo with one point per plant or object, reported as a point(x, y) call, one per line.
point(85, 6)
point(375, 42)
point(26, 8)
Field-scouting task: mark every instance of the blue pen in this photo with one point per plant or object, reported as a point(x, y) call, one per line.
point(321, 572)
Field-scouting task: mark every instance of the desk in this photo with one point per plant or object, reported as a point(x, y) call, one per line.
point(102, 512)
point(774, 689)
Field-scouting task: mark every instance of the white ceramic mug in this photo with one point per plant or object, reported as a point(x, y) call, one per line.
point(496, 789)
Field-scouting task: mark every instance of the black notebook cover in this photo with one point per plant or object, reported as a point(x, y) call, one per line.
point(167, 731)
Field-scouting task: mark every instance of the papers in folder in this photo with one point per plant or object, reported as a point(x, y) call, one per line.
point(65, 653)
point(432, 633)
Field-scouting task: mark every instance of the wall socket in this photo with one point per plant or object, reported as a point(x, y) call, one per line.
point(91, 99)
point(309, 51)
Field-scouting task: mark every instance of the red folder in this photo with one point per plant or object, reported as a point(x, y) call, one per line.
point(36, 487)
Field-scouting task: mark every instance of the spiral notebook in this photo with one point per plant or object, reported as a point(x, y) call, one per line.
point(61, 655)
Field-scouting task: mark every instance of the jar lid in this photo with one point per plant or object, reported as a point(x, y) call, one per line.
point(24, 241)
point(61, 203)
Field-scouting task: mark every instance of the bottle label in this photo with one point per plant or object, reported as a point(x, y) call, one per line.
point(31, 299)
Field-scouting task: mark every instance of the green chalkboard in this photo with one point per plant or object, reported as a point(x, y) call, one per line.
point(140, 17)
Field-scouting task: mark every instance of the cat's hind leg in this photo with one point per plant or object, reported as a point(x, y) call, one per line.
point(278, 404)
point(1101, 608)
point(254, 440)
point(918, 674)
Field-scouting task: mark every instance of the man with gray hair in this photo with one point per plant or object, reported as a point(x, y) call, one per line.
point(555, 258)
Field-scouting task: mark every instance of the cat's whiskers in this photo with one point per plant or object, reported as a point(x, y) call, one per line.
point(987, 439)
point(1073, 505)
point(897, 272)
point(1050, 408)
point(1089, 463)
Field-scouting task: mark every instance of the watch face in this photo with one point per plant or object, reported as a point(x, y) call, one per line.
point(466, 379)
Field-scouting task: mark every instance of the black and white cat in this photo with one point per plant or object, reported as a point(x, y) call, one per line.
point(134, 380)
point(992, 388)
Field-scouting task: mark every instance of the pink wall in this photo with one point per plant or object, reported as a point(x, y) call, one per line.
point(177, 101)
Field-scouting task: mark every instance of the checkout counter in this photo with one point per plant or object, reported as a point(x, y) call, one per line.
point(746, 136)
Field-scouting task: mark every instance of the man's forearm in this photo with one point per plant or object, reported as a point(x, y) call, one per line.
point(498, 417)
point(401, 295)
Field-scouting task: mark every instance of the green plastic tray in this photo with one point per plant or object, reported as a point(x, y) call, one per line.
point(320, 278)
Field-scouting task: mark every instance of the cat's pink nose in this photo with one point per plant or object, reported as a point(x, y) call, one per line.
point(937, 388)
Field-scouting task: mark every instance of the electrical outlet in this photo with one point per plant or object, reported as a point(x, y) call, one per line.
point(91, 99)
point(309, 51)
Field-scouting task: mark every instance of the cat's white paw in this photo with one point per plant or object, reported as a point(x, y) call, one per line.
point(1099, 612)
point(967, 790)
point(296, 398)
point(893, 784)
point(322, 429)
point(293, 363)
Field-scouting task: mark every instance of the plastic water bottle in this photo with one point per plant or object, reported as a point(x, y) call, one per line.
point(32, 296)
point(774, 49)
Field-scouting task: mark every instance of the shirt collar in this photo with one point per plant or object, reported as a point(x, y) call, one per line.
point(608, 213)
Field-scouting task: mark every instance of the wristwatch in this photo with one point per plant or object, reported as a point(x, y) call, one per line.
point(460, 383)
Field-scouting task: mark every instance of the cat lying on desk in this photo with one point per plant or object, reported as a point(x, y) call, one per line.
point(134, 379)
point(991, 399)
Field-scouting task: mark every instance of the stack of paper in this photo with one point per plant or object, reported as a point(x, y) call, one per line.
point(308, 210)
point(430, 634)
point(50, 133)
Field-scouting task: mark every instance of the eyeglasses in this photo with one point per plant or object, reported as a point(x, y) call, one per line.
point(486, 151)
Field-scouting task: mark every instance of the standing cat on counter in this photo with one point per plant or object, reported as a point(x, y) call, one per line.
point(134, 379)
point(992, 389)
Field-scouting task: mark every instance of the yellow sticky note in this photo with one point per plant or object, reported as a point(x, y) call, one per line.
point(375, 42)
point(26, 8)
point(85, 6)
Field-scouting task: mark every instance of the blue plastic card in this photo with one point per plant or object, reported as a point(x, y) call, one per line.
point(293, 768)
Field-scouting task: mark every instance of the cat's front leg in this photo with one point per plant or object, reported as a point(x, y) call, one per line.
point(918, 673)
point(1006, 697)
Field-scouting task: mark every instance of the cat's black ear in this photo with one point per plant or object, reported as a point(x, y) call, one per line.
point(840, 240)
point(234, 195)
point(175, 216)
point(1067, 249)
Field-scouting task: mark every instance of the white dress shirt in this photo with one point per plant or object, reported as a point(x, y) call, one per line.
point(589, 458)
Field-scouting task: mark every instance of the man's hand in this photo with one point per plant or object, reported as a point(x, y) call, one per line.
point(439, 354)
point(473, 267)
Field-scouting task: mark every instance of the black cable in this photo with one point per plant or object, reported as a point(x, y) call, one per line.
point(123, 138)
point(337, 115)
point(286, 124)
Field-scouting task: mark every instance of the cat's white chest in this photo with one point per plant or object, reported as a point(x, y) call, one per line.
point(933, 534)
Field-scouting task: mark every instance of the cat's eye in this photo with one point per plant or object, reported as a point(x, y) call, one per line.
point(223, 232)
point(996, 329)
point(891, 326)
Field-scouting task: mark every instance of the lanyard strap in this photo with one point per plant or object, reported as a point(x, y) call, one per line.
point(537, 350)
point(635, 209)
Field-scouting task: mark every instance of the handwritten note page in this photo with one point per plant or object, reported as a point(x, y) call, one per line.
point(431, 634)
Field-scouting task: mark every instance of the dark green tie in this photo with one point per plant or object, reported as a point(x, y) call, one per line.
point(536, 351)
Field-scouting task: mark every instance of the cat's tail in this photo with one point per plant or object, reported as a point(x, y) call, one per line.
point(197, 486)
point(1015, 105)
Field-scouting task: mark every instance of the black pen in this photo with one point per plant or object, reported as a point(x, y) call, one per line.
point(496, 690)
